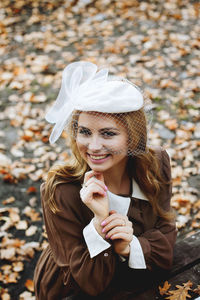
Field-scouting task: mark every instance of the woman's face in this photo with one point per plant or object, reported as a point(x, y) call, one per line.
point(101, 141)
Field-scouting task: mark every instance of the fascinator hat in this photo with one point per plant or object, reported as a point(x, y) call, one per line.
point(86, 89)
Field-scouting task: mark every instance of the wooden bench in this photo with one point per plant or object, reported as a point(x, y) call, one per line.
point(186, 267)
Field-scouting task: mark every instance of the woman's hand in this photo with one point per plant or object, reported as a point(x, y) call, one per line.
point(118, 229)
point(94, 196)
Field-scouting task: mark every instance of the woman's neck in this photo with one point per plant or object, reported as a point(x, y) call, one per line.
point(118, 181)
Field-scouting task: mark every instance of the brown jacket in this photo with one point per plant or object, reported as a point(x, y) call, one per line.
point(65, 267)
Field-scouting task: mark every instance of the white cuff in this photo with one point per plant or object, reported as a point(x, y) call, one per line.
point(95, 243)
point(136, 256)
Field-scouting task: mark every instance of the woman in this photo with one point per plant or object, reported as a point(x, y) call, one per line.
point(107, 212)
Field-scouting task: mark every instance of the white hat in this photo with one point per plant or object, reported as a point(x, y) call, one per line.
point(86, 89)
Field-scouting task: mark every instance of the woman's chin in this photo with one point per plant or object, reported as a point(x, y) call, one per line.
point(96, 168)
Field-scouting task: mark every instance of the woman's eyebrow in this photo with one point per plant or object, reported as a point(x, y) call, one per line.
point(109, 128)
point(83, 127)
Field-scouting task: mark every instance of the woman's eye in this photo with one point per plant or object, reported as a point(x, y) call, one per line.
point(84, 131)
point(108, 133)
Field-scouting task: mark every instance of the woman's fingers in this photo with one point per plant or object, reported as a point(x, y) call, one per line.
point(122, 236)
point(87, 194)
point(120, 230)
point(114, 223)
point(93, 177)
point(114, 220)
point(96, 181)
point(90, 174)
point(113, 216)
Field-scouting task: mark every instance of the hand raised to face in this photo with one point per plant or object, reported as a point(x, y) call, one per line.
point(94, 195)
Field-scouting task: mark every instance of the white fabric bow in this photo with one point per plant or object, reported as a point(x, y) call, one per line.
point(85, 89)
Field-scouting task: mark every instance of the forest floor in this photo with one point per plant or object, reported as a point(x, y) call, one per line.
point(155, 44)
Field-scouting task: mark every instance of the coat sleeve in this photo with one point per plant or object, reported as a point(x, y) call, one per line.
point(158, 243)
point(70, 252)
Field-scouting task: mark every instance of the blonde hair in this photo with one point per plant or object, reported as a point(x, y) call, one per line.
point(144, 168)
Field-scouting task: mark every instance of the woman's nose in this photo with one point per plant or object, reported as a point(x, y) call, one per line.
point(95, 144)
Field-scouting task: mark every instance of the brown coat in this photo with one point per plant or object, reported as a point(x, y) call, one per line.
point(65, 267)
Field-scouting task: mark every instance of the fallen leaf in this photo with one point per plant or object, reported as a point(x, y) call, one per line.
point(26, 296)
point(163, 290)
point(31, 230)
point(197, 290)
point(8, 200)
point(29, 285)
point(8, 254)
point(171, 124)
point(31, 190)
point(31, 213)
point(18, 266)
point(181, 292)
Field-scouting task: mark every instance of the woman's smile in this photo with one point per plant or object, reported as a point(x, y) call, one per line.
point(98, 158)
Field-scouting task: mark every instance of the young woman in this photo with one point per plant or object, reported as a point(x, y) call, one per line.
point(107, 211)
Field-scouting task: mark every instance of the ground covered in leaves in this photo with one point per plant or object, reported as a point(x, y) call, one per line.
point(155, 44)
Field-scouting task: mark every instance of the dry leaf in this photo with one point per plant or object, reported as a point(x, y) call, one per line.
point(4, 294)
point(197, 290)
point(181, 292)
point(26, 296)
point(8, 200)
point(163, 290)
point(31, 230)
point(8, 254)
point(171, 124)
point(29, 285)
point(31, 190)
point(31, 213)
point(11, 278)
point(18, 266)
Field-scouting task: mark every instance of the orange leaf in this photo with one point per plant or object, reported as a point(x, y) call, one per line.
point(163, 290)
point(181, 292)
point(171, 124)
point(31, 189)
point(9, 178)
point(8, 200)
point(27, 138)
point(12, 277)
point(29, 285)
point(197, 290)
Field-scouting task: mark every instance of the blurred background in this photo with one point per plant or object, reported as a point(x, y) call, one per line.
point(155, 44)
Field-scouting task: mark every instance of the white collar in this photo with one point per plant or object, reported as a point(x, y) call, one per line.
point(137, 192)
point(116, 203)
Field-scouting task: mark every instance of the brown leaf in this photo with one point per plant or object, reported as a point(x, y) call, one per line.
point(171, 124)
point(18, 266)
point(181, 292)
point(31, 230)
point(163, 290)
point(4, 294)
point(14, 216)
point(31, 213)
point(29, 285)
point(9, 178)
point(8, 253)
point(195, 224)
point(11, 278)
point(31, 190)
point(8, 200)
point(197, 290)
